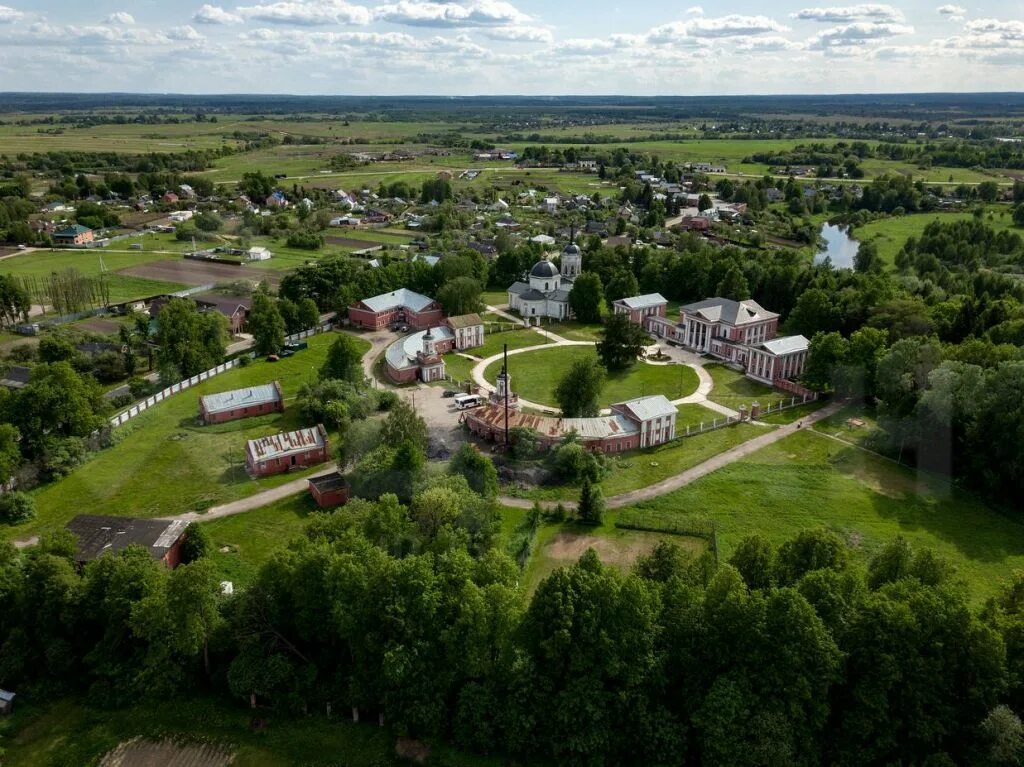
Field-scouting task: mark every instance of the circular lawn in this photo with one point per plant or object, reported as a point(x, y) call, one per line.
point(535, 375)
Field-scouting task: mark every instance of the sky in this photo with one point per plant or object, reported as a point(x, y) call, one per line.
point(528, 47)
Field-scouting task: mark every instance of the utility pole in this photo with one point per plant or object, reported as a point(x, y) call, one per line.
point(504, 370)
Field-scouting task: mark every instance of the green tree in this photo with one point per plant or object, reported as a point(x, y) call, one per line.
point(266, 324)
point(10, 451)
point(16, 507)
point(197, 543)
point(579, 390)
point(828, 356)
point(733, 285)
point(622, 342)
point(621, 285)
point(703, 203)
point(754, 559)
point(308, 314)
point(56, 402)
point(1018, 214)
point(344, 360)
point(587, 298)
point(477, 468)
point(404, 424)
point(591, 504)
point(188, 341)
point(460, 296)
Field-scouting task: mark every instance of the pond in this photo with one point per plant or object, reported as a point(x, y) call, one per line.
point(840, 247)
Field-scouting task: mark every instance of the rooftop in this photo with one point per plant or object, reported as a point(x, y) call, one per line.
point(286, 443)
point(71, 231)
point(230, 400)
point(333, 481)
point(402, 353)
point(401, 298)
point(786, 345)
point(100, 534)
point(644, 301)
point(728, 311)
point(465, 321)
point(550, 426)
point(648, 408)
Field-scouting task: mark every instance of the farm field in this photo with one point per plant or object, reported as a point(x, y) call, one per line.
point(808, 480)
point(535, 375)
point(166, 463)
point(889, 234)
point(74, 732)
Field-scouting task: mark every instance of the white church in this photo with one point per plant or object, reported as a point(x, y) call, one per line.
point(547, 292)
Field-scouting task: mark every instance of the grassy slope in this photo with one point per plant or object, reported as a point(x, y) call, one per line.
point(535, 374)
point(71, 732)
point(809, 480)
point(167, 464)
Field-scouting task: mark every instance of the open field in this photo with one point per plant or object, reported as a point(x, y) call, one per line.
point(889, 234)
point(535, 375)
point(191, 272)
point(562, 545)
point(167, 463)
point(810, 480)
point(74, 732)
point(251, 538)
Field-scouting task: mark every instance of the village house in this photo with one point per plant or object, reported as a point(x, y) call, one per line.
point(330, 490)
point(75, 235)
point(241, 403)
point(234, 308)
point(546, 294)
point(402, 305)
point(642, 309)
point(98, 535)
point(283, 452)
point(169, 198)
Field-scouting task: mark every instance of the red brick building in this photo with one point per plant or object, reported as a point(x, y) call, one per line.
point(419, 356)
point(75, 235)
point(283, 452)
point(402, 305)
point(98, 535)
point(641, 309)
point(241, 403)
point(330, 491)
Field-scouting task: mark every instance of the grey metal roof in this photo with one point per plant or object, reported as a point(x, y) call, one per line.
point(6, 696)
point(229, 400)
point(786, 345)
point(534, 295)
point(100, 534)
point(644, 301)
point(285, 444)
point(613, 425)
point(519, 288)
point(558, 295)
point(403, 297)
point(402, 353)
point(729, 311)
point(544, 269)
point(648, 408)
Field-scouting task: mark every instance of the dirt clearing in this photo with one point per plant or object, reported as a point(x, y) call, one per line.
point(351, 242)
point(199, 273)
point(147, 753)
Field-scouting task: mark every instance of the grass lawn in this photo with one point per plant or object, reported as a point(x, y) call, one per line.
point(494, 297)
point(694, 415)
point(535, 375)
point(519, 338)
point(74, 732)
point(561, 545)
point(458, 367)
point(576, 331)
point(254, 536)
point(732, 388)
point(889, 234)
point(167, 463)
point(808, 480)
point(642, 468)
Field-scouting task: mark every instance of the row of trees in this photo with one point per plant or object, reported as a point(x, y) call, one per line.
point(785, 655)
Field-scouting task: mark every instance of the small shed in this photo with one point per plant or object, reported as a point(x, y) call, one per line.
point(330, 490)
point(6, 702)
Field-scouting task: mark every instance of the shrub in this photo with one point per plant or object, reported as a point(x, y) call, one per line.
point(305, 240)
point(16, 507)
point(197, 543)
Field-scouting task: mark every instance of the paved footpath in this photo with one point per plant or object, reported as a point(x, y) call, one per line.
point(694, 473)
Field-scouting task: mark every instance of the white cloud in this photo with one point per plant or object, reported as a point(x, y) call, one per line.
point(864, 12)
point(857, 34)
point(951, 10)
point(213, 14)
point(768, 44)
point(732, 25)
point(313, 13)
point(183, 33)
point(520, 34)
point(120, 17)
point(475, 13)
point(8, 14)
point(695, 10)
point(1005, 30)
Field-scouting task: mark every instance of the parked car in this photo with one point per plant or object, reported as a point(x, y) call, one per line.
point(448, 393)
point(273, 358)
point(286, 352)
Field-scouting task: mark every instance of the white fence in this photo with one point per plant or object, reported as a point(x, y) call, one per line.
point(140, 407)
